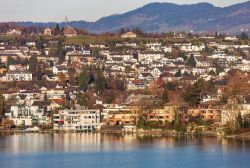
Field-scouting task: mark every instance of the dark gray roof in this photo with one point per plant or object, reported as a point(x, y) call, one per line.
point(40, 103)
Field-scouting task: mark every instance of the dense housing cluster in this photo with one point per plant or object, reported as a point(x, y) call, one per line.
point(71, 80)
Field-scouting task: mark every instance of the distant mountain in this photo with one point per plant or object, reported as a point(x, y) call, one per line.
point(161, 17)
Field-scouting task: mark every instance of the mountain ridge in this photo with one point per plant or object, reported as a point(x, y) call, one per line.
point(162, 17)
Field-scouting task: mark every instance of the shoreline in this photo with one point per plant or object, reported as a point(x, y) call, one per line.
point(167, 133)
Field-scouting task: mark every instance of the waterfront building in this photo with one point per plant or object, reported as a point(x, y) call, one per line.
point(77, 120)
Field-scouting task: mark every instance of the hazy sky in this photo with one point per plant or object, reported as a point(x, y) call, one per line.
point(89, 10)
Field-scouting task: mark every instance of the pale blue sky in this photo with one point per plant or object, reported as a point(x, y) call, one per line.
point(89, 10)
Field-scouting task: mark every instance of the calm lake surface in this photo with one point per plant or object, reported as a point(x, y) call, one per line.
point(128, 151)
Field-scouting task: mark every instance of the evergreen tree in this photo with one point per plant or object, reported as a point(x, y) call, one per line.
point(57, 30)
point(138, 31)
point(122, 31)
point(165, 96)
point(2, 105)
point(216, 35)
point(192, 94)
point(10, 61)
point(51, 63)
point(246, 123)
point(141, 121)
point(45, 97)
point(240, 120)
point(178, 73)
point(100, 80)
point(83, 99)
point(183, 55)
point(91, 76)
point(191, 61)
point(83, 78)
point(39, 72)
point(244, 36)
point(39, 43)
point(33, 65)
point(60, 51)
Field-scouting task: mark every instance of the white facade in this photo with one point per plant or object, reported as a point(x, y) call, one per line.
point(59, 69)
point(77, 120)
point(231, 38)
point(19, 76)
point(167, 49)
point(153, 56)
point(47, 32)
point(27, 115)
point(219, 54)
point(129, 35)
point(190, 48)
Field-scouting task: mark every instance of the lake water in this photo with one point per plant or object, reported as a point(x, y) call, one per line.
point(128, 151)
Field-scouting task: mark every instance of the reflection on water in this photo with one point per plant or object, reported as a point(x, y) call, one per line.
point(34, 143)
point(123, 151)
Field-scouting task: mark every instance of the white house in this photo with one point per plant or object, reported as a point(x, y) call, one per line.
point(231, 38)
point(155, 72)
point(60, 69)
point(47, 32)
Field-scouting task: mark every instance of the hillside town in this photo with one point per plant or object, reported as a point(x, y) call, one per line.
point(68, 79)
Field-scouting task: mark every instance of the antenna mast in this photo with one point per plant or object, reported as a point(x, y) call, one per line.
point(66, 20)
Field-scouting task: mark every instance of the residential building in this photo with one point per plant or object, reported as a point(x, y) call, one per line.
point(77, 120)
point(129, 35)
point(47, 32)
point(69, 32)
point(14, 32)
point(18, 76)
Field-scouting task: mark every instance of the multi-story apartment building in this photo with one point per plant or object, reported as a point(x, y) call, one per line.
point(77, 120)
point(122, 117)
point(28, 115)
point(207, 114)
point(166, 114)
point(18, 76)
